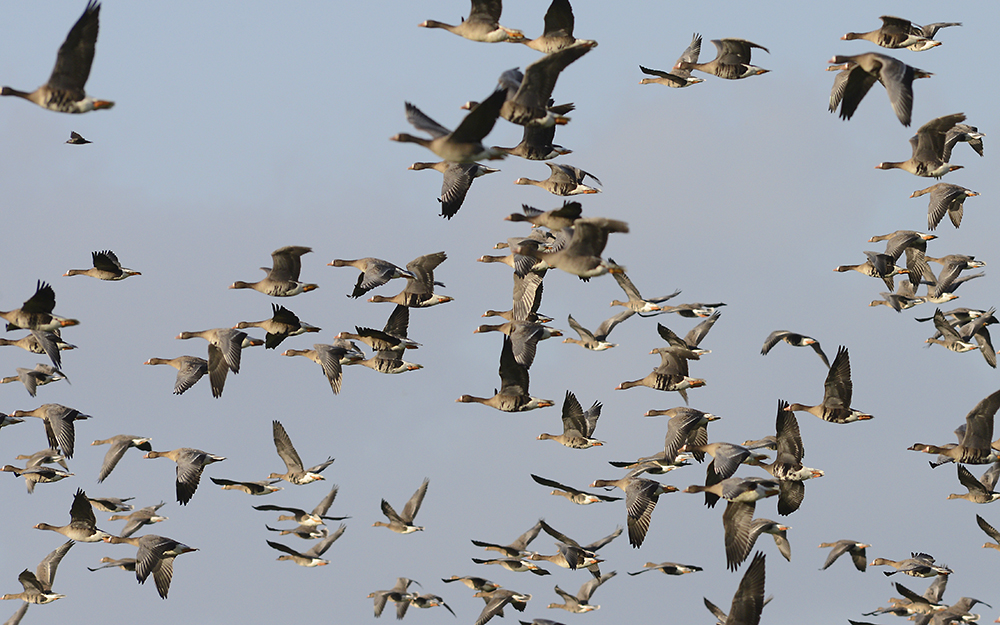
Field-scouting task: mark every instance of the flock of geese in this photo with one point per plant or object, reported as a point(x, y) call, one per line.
point(564, 239)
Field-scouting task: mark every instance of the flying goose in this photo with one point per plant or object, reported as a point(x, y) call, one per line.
point(106, 267)
point(282, 278)
point(676, 77)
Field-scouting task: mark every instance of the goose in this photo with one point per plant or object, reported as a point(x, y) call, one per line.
point(668, 568)
point(516, 548)
point(796, 340)
point(308, 519)
point(676, 77)
point(111, 504)
point(312, 557)
point(524, 337)
point(465, 143)
point(731, 62)
point(697, 309)
point(76, 138)
point(190, 464)
point(944, 198)
point(225, 348)
point(974, 447)
point(429, 601)
point(374, 273)
point(960, 338)
point(787, 467)
point(190, 369)
point(748, 602)
point(981, 490)
point(458, 179)
point(671, 375)
point(125, 564)
point(37, 475)
point(419, 290)
point(45, 456)
point(119, 445)
point(990, 531)
point(563, 180)
point(641, 495)
point(391, 338)
point(574, 495)
point(483, 24)
point(282, 278)
point(572, 554)
point(515, 565)
point(36, 342)
point(282, 324)
point(877, 266)
point(529, 94)
point(580, 248)
point(859, 72)
point(966, 134)
point(474, 583)
point(914, 245)
point(139, 518)
point(838, 388)
point(38, 585)
point(36, 313)
point(726, 459)
point(82, 526)
point(397, 594)
point(846, 545)
point(41, 375)
point(536, 144)
point(497, 599)
point(897, 33)
point(598, 339)
point(691, 340)
point(636, 302)
point(686, 426)
point(294, 471)
point(578, 426)
point(580, 603)
point(928, 149)
point(558, 32)
point(64, 92)
point(59, 428)
point(555, 219)
point(106, 267)
point(329, 358)
point(513, 394)
point(402, 523)
point(262, 487)
point(155, 556)
point(918, 565)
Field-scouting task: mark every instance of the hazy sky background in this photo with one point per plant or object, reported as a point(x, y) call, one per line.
point(243, 127)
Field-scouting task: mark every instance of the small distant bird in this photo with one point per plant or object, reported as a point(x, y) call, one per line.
point(76, 138)
point(262, 487)
point(295, 473)
point(575, 495)
point(669, 568)
point(64, 92)
point(581, 602)
point(837, 391)
point(578, 425)
point(402, 523)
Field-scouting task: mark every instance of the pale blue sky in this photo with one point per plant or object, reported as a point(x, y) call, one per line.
point(243, 127)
